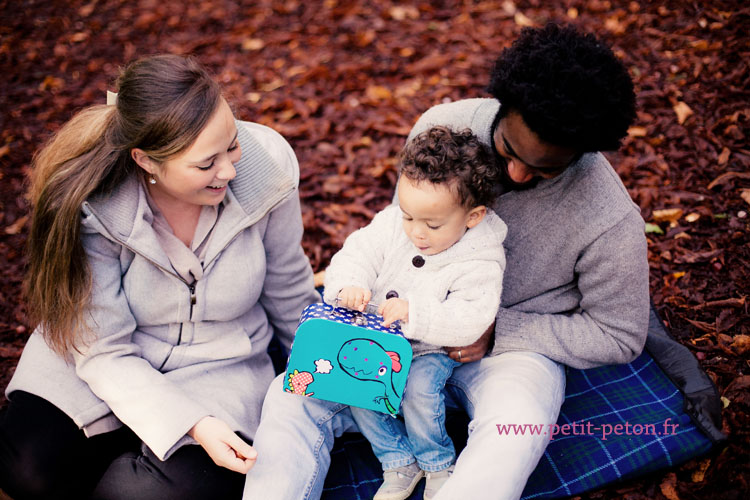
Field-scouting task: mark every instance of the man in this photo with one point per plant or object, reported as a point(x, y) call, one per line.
point(575, 290)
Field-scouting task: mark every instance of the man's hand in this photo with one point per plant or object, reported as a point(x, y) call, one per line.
point(354, 297)
point(475, 351)
point(394, 309)
point(224, 447)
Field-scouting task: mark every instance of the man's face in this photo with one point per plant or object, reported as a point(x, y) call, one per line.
point(528, 157)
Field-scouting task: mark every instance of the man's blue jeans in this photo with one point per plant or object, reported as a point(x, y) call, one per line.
point(296, 433)
point(423, 436)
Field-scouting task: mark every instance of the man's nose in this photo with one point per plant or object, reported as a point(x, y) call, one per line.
point(519, 172)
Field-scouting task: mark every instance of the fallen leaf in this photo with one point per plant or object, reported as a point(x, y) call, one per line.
point(378, 93)
point(725, 402)
point(253, 44)
point(692, 217)
point(741, 344)
point(87, 9)
point(701, 325)
point(653, 228)
point(682, 111)
point(16, 227)
point(724, 156)
point(668, 487)
point(727, 176)
point(521, 20)
point(509, 7)
point(745, 195)
point(636, 131)
point(667, 215)
point(400, 13)
point(615, 25)
point(700, 474)
point(10, 352)
point(79, 37)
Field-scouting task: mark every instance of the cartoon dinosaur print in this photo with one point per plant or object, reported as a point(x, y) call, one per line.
point(365, 359)
point(298, 381)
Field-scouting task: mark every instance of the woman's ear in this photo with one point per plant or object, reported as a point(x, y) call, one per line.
point(476, 215)
point(142, 159)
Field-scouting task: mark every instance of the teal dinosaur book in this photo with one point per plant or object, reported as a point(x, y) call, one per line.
point(348, 357)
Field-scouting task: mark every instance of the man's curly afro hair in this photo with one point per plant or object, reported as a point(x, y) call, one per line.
point(568, 87)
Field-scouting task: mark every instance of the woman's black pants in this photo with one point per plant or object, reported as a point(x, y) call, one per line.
point(43, 454)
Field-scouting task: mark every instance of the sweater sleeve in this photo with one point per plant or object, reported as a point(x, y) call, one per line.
point(360, 260)
point(610, 325)
point(466, 312)
point(158, 411)
point(288, 285)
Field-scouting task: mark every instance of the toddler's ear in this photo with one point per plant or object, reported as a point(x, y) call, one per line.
point(476, 215)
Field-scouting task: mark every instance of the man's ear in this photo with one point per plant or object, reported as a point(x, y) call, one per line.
point(142, 159)
point(476, 215)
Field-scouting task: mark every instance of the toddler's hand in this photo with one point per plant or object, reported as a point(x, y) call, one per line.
point(354, 297)
point(394, 309)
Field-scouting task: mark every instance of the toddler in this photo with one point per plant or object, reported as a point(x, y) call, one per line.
point(435, 263)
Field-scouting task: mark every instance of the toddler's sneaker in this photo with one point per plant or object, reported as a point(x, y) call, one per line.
point(399, 483)
point(435, 481)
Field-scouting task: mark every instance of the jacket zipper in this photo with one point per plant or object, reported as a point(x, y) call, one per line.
point(191, 287)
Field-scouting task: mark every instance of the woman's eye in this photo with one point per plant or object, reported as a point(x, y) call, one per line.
point(433, 227)
point(233, 147)
point(208, 167)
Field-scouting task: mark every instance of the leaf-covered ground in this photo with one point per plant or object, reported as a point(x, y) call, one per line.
point(345, 80)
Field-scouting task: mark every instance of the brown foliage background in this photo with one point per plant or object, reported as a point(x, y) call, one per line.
point(344, 81)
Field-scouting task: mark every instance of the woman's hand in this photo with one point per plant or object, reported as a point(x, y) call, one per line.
point(224, 447)
point(354, 297)
point(475, 351)
point(394, 309)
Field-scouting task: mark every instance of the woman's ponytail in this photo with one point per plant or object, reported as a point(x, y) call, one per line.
point(163, 104)
point(65, 173)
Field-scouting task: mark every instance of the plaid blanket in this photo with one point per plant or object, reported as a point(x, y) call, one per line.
point(617, 422)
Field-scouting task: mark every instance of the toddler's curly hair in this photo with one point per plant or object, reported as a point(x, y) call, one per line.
point(441, 155)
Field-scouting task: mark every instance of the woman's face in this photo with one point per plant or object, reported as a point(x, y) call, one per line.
point(200, 174)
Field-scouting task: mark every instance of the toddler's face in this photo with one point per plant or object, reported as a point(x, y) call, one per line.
point(433, 218)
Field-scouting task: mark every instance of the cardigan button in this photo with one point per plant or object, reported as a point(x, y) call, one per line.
point(418, 261)
point(391, 294)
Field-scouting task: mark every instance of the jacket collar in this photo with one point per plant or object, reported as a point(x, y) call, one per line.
point(261, 183)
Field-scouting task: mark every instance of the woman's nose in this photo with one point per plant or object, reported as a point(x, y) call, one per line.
point(226, 169)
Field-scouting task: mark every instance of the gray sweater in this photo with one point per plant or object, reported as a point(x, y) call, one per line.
point(576, 282)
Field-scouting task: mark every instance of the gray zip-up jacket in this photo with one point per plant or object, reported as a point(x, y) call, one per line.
point(576, 282)
point(165, 353)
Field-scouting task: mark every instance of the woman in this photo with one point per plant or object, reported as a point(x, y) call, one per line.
point(156, 285)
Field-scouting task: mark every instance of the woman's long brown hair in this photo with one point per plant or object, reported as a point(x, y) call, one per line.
point(162, 106)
